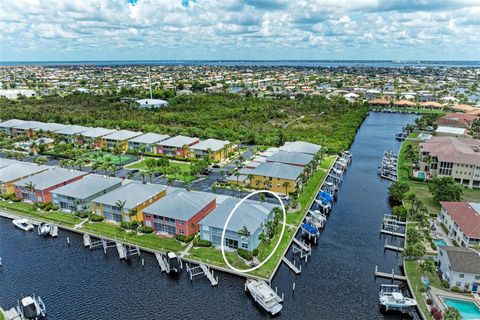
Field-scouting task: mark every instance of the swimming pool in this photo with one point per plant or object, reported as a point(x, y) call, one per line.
point(467, 309)
point(421, 175)
point(439, 242)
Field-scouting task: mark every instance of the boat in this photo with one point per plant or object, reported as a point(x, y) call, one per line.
point(32, 308)
point(391, 298)
point(324, 205)
point(44, 229)
point(23, 224)
point(310, 230)
point(173, 261)
point(319, 224)
point(265, 296)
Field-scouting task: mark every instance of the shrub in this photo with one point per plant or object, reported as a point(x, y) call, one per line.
point(397, 190)
point(145, 229)
point(134, 225)
point(255, 252)
point(180, 237)
point(15, 199)
point(96, 218)
point(444, 227)
point(436, 314)
point(81, 214)
point(245, 254)
point(204, 243)
point(429, 301)
point(125, 225)
point(455, 243)
point(433, 245)
point(445, 284)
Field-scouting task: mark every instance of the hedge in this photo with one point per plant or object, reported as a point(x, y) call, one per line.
point(96, 218)
point(185, 239)
point(245, 254)
point(144, 229)
point(204, 243)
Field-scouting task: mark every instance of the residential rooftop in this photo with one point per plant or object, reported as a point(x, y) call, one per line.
point(11, 123)
point(122, 135)
point(178, 141)
point(150, 138)
point(301, 146)
point(87, 186)
point(133, 193)
point(212, 144)
point(18, 170)
point(466, 215)
point(463, 260)
point(73, 130)
point(451, 149)
point(296, 158)
point(451, 130)
point(50, 178)
point(97, 132)
point(277, 170)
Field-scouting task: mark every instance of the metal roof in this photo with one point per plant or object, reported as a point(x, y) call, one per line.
point(251, 214)
point(212, 144)
point(180, 204)
point(150, 138)
point(178, 141)
point(11, 123)
point(88, 186)
point(50, 178)
point(297, 158)
point(19, 170)
point(97, 132)
point(278, 170)
point(47, 126)
point(6, 162)
point(73, 130)
point(134, 193)
point(122, 135)
point(301, 146)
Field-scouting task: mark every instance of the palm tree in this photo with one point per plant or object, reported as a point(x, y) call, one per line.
point(250, 178)
point(105, 166)
point(170, 181)
point(286, 184)
point(237, 174)
point(63, 163)
point(244, 232)
point(121, 204)
point(143, 175)
point(40, 160)
point(30, 186)
point(130, 175)
point(133, 213)
point(95, 167)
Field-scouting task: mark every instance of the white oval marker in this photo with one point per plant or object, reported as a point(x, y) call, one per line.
point(228, 220)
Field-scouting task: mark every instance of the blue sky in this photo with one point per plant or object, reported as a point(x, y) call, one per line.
point(239, 29)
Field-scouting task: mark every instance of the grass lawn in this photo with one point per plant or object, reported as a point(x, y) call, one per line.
point(27, 210)
point(414, 275)
point(183, 175)
point(214, 256)
point(107, 157)
point(2, 316)
point(150, 241)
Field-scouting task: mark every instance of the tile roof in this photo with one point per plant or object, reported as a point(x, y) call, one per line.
point(463, 260)
point(466, 215)
point(451, 149)
point(459, 120)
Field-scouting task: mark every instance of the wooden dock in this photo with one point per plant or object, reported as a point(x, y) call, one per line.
point(161, 261)
point(392, 233)
point(393, 221)
point(301, 244)
point(394, 248)
point(292, 265)
point(391, 275)
point(209, 274)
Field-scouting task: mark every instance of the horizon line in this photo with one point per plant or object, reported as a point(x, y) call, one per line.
point(255, 60)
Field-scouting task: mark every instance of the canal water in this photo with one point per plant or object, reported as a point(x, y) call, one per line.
point(336, 283)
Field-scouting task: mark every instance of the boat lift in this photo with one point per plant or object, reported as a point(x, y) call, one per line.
point(202, 269)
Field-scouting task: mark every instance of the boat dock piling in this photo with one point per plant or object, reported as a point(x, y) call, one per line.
point(391, 247)
point(391, 276)
point(301, 248)
point(392, 233)
point(161, 261)
point(107, 244)
point(122, 251)
point(202, 269)
point(292, 265)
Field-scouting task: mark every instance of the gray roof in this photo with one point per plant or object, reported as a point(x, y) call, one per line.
point(6, 162)
point(11, 123)
point(178, 141)
point(18, 170)
point(88, 186)
point(134, 193)
point(463, 259)
point(212, 144)
point(301, 146)
point(73, 130)
point(50, 178)
point(47, 126)
point(297, 158)
point(150, 138)
point(180, 204)
point(251, 214)
point(122, 135)
point(97, 132)
point(278, 170)
point(27, 125)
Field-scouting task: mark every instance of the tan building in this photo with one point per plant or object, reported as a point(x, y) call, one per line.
point(452, 157)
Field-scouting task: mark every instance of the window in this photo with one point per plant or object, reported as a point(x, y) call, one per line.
point(458, 284)
point(244, 245)
point(477, 277)
point(181, 222)
point(461, 275)
point(181, 231)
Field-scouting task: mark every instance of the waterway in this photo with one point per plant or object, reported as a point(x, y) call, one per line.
point(336, 283)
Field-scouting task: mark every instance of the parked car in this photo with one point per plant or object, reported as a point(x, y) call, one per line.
point(222, 180)
point(135, 170)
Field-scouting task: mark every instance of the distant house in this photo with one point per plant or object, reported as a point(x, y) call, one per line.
point(457, 120)
point(24, 128)
point(134, 196)
point(431, 105)
point(460, 267)
point(8, 125)
point(148, 141)
point(300, 146)
point(250, 214)
point(177, 146)
point(444, 131)
point(151, 103)
point(217, 150)
point(15, 172)
point(78, 195)
point(179, 212)
point(71, 132)
point(119, 137)
point(95, 135)
point(379, 103)
point(37, 188)
point(15, 93)
point(404, 104)
point(462, 220)
point(293, 158)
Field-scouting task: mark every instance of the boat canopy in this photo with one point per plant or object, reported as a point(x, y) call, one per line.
point(325, 195)
point(309, 228)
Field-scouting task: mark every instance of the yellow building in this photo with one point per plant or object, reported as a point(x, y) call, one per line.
point(217, 150)
point(273, 176)
point(125, 204)
point(15, 172)
point(119, 137)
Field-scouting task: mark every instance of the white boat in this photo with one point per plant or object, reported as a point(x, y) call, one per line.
point(44, 229)
point(319, 224)
point(32, 308)
point(23, 224)
point(391, 298)
point(265, 296)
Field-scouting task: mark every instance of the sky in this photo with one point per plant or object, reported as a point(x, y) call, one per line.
point(66, 30)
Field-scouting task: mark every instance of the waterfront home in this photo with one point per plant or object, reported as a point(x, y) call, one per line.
point(147, 141)
point(119, 137)
point(444, 131)
point(379, 103)
point(70, 133)
point(77, 196)
point(8, 125)
point(250, 214)
point(38, 187)
point(454, 157)
point(430, 105)
point(273, 176)
point(151, 103)
point(404, 104)
point(301, 146)
point(463, 107)
point(16, 172)
point(462, 220)
point(217, 150)
point(460, 267)
point(457, 120)
point(127, 202)
point(293, 158)
point(179, 212)
point(177, 146)
point(94, 136)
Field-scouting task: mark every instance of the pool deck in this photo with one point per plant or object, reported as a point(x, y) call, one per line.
point(437, 294)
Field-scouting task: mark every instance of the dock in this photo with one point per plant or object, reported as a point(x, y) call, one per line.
point(202, 269)
point(122, 252)
point(292, 265)
point(392, 233)
point(54, 232)
point(161, 261)
point(12, 314)
point(391, 275)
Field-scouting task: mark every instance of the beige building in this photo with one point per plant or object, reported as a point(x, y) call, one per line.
point(458, 158)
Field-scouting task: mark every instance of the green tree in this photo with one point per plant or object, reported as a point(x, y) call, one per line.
point(244, 232)
point(451, 314)
point(397, 190)
point(445, 189)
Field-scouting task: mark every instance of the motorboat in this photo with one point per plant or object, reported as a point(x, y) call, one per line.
point(23, 224)
point(391, 298)
point(310, 230)
point(44, 229)
point(173, 262)
point(319, 224)
point(265, 296)
point(32, 308)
